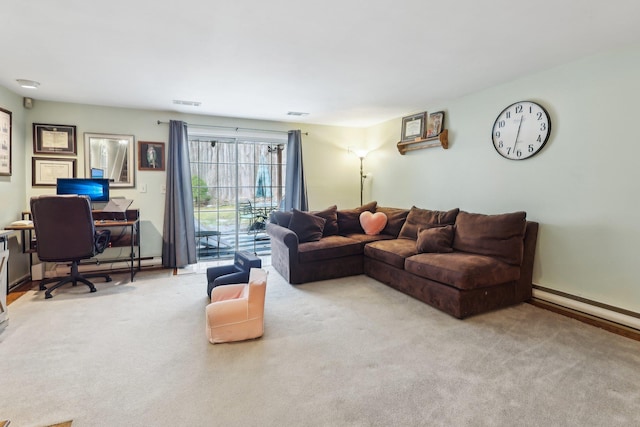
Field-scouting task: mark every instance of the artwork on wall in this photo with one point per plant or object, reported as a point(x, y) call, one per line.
point(413, 127)
point(435, 124)
point(5, 142)
point(54, 139)
point(45, 171)
point(151, 156)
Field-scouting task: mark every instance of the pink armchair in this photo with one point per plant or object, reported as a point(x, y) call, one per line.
point(236, 312)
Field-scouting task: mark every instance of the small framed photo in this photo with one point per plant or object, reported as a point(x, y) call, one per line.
point(413, 127)
point(151, 156)
point(45, 171)
point(5, 142)
point(435, 124)
point(54, 139)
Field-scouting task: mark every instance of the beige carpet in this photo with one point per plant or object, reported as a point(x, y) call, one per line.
point(346, 352)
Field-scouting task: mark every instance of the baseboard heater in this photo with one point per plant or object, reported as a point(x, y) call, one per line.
point(591, 308)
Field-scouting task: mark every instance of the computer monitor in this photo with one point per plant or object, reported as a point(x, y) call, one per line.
point(97, 189)
point(97, 173)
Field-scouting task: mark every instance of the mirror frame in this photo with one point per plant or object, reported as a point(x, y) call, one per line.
point(131, 160)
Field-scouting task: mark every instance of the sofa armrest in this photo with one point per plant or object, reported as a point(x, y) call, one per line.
point(283, 234)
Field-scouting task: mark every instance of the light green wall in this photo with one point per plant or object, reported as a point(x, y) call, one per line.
point(12, 188)
point(583, 187)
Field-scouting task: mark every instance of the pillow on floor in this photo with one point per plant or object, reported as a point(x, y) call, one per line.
point(438, 239)
point(307, 226)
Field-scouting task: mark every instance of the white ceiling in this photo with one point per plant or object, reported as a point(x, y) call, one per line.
point(345, 62)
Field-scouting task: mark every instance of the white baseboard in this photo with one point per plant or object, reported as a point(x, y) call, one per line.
point(603, 313)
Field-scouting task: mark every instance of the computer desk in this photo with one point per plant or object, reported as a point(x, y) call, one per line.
point(130, 224)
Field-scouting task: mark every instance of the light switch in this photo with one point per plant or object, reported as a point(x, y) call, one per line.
point(163, 189)
point(143, 188)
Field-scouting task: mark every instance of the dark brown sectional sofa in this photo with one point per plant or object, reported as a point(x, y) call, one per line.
point(459, 262)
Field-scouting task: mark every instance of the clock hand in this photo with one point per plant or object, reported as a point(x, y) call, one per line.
point(517, 134)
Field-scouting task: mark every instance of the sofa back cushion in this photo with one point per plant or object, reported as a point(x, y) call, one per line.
point(395, 219)
point(500, 236)
point(331, 217)
point(349, 219)
point(307, 227)
point(281, 218)
point(423, 218)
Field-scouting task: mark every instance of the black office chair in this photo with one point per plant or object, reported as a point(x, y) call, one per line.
point(65, 231)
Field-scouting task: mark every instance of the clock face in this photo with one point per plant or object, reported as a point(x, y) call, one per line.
point(521, 130)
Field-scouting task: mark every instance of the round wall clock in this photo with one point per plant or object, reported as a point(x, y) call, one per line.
point(521, 130)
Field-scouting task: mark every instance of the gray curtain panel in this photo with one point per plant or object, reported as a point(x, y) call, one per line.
point(178, 237)
point(295, 190)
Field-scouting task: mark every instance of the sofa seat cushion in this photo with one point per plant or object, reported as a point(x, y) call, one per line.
point(462, 270)
point(366, 238)
point(327, 248)
point(392, 252)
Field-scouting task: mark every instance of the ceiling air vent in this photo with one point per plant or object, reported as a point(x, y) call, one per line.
point(297, 113)
point(190, 103)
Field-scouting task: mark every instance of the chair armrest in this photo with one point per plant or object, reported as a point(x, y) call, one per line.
point(226, 312)
point(225, 292)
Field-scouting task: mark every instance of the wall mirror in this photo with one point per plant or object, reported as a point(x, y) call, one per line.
point(110, 156)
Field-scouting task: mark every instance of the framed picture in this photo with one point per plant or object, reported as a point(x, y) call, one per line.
point(151, 156)
point(46, 170)
point(54, 139)
point(435, 124)
point(414, 126)
point(5, 142)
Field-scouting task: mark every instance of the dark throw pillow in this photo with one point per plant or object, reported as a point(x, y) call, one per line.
point(395, 219)
point(436, 239)
point(331, 216)
point(307, 226)
point(349, 219)
point(423, 218)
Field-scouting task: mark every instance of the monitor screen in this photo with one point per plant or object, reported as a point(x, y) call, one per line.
point(96, 189)
point(97, 173)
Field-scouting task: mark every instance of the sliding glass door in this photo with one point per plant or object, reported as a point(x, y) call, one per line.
point(236, 184)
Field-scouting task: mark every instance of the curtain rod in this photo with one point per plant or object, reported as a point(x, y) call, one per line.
point(235, 128)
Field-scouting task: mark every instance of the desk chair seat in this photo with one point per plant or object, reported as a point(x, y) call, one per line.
point(65, 232)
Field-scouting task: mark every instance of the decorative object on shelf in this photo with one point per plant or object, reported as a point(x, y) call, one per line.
point(5, 142)
point(413, 127)
point(361, 154)
point(521, 130)
point(435, 124)
point(151, 156)
point(442, 140)
point(54, 139)
point(45, 171)
point(113, 154)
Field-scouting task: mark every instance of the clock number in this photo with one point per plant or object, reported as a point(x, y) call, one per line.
point(497, 134)
point(518, 109)
point(543, 127)
point(539, 115)
point(502, 124)
point(539, 138)
point(530, 148)
point(500, 144)
point(508, 115)
point(519, 153)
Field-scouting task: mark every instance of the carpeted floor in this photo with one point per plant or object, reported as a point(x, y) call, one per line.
point(345, 352)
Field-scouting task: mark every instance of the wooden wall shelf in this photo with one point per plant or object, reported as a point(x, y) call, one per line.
point(441, 140)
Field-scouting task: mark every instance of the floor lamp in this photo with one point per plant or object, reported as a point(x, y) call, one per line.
point(361, 155)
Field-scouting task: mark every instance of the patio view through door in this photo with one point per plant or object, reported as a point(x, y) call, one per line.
point(235, 184)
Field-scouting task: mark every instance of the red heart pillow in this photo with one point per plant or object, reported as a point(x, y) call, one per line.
point(373, 223)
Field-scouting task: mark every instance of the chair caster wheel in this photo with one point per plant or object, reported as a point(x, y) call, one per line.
point(109, 279)
point(47, 296)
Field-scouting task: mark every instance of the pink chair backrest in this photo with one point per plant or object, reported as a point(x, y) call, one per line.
point(257, 287)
